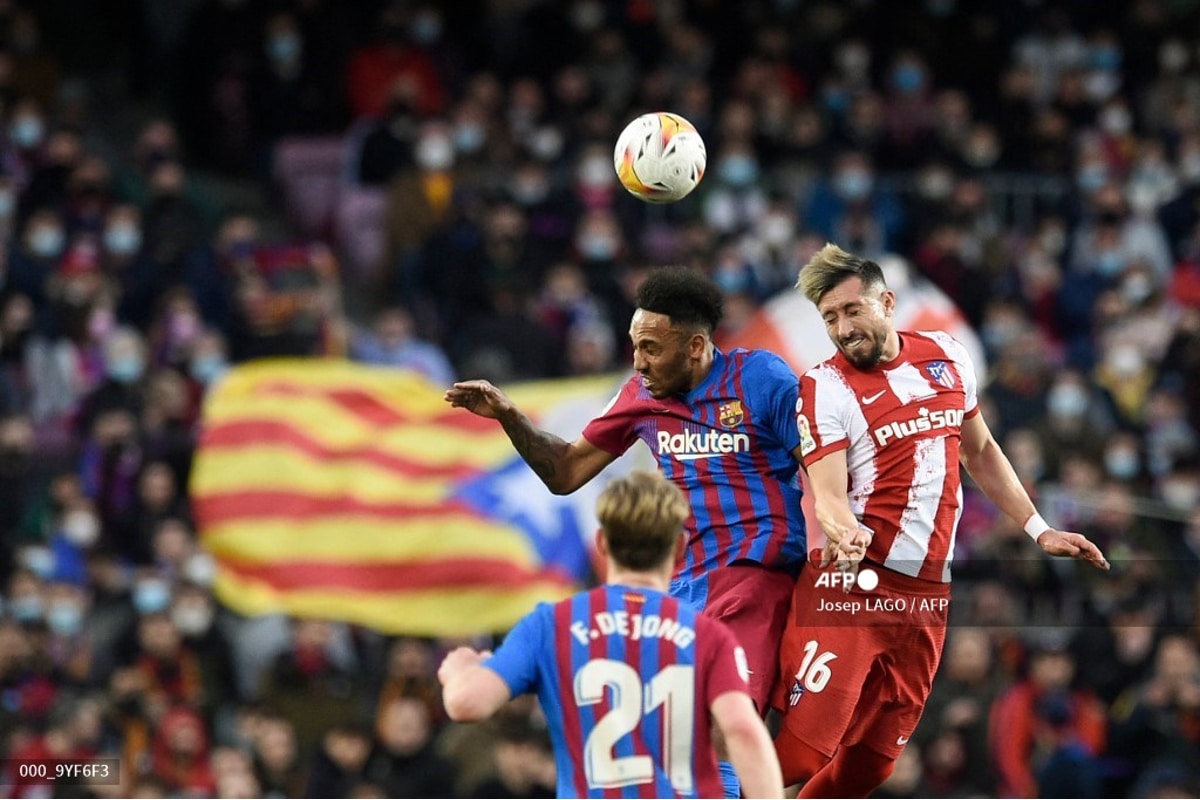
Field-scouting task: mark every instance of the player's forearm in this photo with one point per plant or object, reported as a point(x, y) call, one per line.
point(545, 453)
point(993, 473)
point(753, 757)
point(472, 694)
point(835, 518)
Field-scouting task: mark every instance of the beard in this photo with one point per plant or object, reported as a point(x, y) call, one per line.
point(866, 355)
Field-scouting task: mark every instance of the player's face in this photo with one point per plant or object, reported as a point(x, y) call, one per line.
point(858, 320)
point(661, 353)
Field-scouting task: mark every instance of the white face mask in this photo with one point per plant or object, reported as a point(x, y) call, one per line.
point(81, 528)
point(435, 153)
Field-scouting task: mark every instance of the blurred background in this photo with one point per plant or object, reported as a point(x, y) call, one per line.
point(189, 185)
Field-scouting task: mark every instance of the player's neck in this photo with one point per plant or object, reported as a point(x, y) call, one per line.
point(703, 367)
point(637, 579)
point(891, 347)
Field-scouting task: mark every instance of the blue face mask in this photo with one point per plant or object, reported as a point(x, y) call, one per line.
point(426, 29)
point(28, 608)
point(1092, 178)
point(150, 597)
point(853, 184)
point(1106, 58)
point(1110, 263)
point(122, 240)
point(126, 369)
point(836, 100)
point(1122, 464)
point(598, 247)
point(739, 171)
point(284, 47)
point(207, 369)
point(469, 138)
point(907, 78)
point(47, 242)
point(27, 132)
point(65, 619)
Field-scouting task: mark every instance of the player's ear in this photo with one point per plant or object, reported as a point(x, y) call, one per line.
point(602, 543)
point(888, 298)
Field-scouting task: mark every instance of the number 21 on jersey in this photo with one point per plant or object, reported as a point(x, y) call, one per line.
point(672, 688)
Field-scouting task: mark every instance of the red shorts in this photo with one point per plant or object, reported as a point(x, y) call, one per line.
point(858, 666)
point(753, 601)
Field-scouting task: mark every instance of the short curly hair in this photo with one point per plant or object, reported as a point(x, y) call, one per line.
point(688, 297)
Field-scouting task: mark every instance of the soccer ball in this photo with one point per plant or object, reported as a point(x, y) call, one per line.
point(660, 157)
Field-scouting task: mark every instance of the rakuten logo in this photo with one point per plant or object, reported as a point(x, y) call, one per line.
point(689, 446)
point(926, 420)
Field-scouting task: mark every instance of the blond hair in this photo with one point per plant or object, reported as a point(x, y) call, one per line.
point(830, 267)
point(642, 515)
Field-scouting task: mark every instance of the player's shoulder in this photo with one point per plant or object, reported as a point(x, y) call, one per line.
point(761, 363)
point(943, 342)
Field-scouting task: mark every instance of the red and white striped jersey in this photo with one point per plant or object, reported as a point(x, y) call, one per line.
point(900, 424)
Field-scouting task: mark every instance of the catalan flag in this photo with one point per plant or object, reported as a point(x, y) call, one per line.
point(336, 490)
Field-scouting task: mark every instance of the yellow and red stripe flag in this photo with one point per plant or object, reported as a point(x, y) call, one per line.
point(331, 489)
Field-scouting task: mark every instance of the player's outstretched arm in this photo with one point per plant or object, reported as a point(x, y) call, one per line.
point(992, 471)
point(470, 691)
point(846, 540)
point(563, 466)
point(749, 745)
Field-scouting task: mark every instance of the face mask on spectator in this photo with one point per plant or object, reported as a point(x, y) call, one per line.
point(1067, 401)
point(284, 48)
point(1091, 177)
point(1181, 493)
point(1137, 287)
point(738, 171)
point(192, 619)
point(126, 369)
point(469, 137)
point(38, 560)
point(200, 569)
point(853, 184)
point(435, 153)
point(596, 173)
point(27, 608)
point(427, 28)
point(1110, 263)
point(46, 242)
point(122, 240)
point(7, 201)
point(598, 246)
point(151, 596)
point(777, 230)
point(1116, 120)
point(907, 78)
point(208, 368)
point(81, 528)
point(545, 143)
point(1122, 463)
point(530, 191)
point(64, 618)
point(27, 132)
point(1053, 241)
point(1172, 57)
point(1125, 360)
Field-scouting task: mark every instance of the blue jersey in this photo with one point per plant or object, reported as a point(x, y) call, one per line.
point(730, 445)
point(626, 677)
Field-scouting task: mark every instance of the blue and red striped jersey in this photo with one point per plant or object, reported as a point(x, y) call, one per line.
point(626, 677)
point(729, 445)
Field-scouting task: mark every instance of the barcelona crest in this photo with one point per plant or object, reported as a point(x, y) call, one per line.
point(731, 414)
point(940, 373)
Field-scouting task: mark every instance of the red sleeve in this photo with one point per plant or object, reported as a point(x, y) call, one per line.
point(613, 431)
point(722, 661)
point(1010, 729)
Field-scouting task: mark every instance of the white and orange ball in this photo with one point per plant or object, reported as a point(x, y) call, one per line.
point(660, 157)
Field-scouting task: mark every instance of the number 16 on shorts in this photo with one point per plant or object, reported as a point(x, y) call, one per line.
point(814, 672)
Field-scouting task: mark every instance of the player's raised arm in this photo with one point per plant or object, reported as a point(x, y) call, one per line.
point(749, 745)
point(846, 540)
point(470, 692)
point(563, 466)
point(983, 458)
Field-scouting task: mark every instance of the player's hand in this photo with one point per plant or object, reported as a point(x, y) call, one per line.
point(457, 660)
point(478, 397)
point(847, 553)
point(1075, 545)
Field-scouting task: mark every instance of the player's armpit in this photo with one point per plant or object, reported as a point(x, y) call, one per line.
point(749, 745)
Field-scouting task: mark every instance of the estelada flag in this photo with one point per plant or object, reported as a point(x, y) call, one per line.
point(330, 489)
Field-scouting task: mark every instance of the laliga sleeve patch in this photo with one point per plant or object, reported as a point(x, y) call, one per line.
point(807, 443)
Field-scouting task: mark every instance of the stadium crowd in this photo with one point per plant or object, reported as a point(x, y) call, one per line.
point(192, 184)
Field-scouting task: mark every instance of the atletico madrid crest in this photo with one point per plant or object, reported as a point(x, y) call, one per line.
point(731, 414)
point(941, 373)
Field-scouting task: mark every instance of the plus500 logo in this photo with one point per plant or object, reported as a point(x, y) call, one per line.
point(925, 420)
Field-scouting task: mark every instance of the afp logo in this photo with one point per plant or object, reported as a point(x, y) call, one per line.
point(866, 579)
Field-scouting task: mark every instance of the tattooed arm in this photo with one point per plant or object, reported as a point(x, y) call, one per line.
point(563, 466)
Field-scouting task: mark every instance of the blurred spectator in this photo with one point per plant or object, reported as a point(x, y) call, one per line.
point(340, 761)
point(393, 343)
point(404, 761)
point(395, 55)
